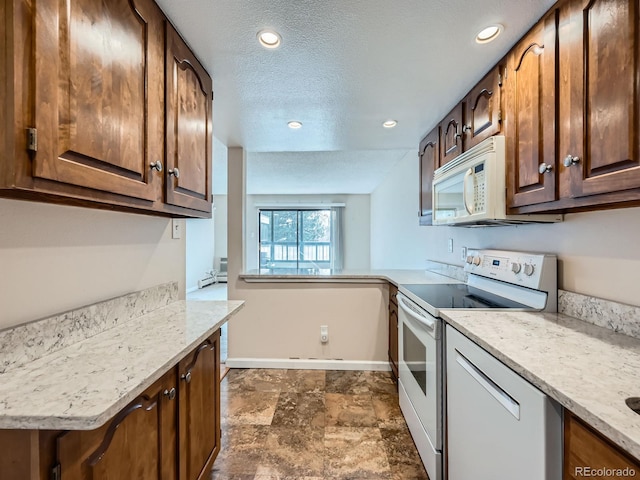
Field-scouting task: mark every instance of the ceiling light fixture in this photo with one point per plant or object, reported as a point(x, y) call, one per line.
point(294, 124)
point(489, 33)
point(389, 124)
point(269, 38)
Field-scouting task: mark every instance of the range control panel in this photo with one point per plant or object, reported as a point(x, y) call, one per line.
point(520, 268)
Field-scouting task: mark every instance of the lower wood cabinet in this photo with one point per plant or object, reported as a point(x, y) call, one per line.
point(139, 442)
point(199, 406)
point(169, 432)
point(588, 454)
point(393, 330)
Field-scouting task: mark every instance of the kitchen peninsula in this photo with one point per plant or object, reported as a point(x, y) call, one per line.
point(89, 383)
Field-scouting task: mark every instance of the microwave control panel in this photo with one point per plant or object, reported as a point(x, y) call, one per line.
point(479, 189)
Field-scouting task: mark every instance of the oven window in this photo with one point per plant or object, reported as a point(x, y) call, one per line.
point(415, 356)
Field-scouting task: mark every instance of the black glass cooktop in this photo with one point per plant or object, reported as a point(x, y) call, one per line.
point(459, 295)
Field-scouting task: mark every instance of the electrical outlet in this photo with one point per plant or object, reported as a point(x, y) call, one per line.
point(463, 253)
point(451, 245)
point(324, 333)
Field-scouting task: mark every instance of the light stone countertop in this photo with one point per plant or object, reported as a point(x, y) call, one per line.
point(82, 386)
point(588, 369)
point(396, 277)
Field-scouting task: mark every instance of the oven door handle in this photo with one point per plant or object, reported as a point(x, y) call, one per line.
point(428, 322)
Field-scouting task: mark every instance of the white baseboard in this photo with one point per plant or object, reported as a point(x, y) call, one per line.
point(192, 289)
point(307, 364)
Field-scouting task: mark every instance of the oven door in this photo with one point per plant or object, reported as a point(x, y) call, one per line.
point(420, 369)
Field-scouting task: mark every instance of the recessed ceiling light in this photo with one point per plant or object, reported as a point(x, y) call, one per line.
point(490, 33)
point(294, 124)
point(390, 124)
point(269, 38)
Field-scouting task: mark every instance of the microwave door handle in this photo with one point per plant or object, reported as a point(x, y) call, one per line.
point(467, 176)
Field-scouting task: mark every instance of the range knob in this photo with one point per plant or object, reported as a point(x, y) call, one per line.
point(469, 259)
point(516, 267)
point(476, 260)
point(528, 269)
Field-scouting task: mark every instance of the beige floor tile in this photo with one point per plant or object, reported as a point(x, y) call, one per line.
point(293, 452)
point(247, 408)
point(349, 410)
point(388, 411)
point(241, 450)
point(346, 382)
point(304, 381)
point(355, 453)
point(254, 380)
point(299, 410)
point(404, 461)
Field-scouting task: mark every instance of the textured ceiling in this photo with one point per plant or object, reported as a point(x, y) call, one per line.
point(344, 67)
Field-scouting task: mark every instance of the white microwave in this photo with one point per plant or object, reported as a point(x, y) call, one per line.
point(471, 189)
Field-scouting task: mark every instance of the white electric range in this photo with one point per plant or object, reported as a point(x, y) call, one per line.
point(497, 279)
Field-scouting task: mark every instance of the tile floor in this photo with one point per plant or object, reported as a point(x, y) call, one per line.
point(313, 425)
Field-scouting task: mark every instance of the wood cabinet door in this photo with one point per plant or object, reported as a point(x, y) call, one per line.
point(99, 105)
point(483, 115)
point(199, 423)
point(139, 442)
point(429, 154)
point(585, 448)
point(599, 96)
point(189, 106)
point(451, 137)
point(530, 116)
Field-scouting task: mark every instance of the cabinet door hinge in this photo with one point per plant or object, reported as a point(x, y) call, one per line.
point(32, 139)
point(499, 79)
point(499, 115)
point(56, 472)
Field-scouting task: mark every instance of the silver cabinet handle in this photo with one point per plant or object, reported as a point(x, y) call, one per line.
point(186, 377)
point(170, 393)
point(157, 165)
point(570, 160)
point(544, 168)
point(175, 172)
point(466, 128)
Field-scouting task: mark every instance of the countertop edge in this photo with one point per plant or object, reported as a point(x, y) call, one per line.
point(91, 422)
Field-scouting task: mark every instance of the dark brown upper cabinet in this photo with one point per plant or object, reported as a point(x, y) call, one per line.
point(530, 116)
point(189, 118)
point(97, 84)
point(429, 161)
point(83, 100)
point(599, 97)
point(451, 135)
point(482, 107)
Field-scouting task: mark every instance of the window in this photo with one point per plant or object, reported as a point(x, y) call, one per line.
point(296, 238)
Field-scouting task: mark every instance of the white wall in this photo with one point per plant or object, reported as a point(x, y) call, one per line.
point(397, 241)
point(201, 232)
point(220, 229)
point(56, 258)
point(597, 251)
point(200, 244)
point(283, 320)
point(356, 225)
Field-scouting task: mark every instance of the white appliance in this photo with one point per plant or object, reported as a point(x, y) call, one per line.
point(497, 280)
point(471, 189)
point(499, 426)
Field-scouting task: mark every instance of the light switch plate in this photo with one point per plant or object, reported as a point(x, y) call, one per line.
point(176, 228)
